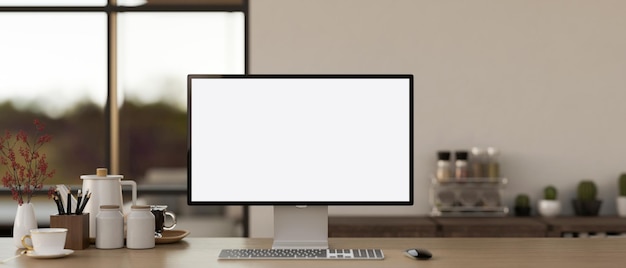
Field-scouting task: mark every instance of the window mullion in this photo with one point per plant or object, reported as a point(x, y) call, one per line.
point(112, 103)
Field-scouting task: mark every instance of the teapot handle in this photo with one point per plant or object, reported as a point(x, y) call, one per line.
point(134, 189)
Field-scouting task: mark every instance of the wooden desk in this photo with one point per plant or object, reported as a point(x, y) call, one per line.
point(448, 252)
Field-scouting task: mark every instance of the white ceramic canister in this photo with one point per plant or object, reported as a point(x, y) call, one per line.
point(140, 228)
point(110, 232)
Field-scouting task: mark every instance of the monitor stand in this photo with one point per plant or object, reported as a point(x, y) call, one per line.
point(301, 227)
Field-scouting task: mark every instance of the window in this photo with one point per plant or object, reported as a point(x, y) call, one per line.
point(109, 78)
point(53, 68)
point(156, 52)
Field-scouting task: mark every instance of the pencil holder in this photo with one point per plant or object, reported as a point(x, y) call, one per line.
point(77, 229)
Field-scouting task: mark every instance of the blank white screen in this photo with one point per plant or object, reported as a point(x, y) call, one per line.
point(300, 140)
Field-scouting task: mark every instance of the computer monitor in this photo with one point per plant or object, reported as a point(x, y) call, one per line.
point(300, 143)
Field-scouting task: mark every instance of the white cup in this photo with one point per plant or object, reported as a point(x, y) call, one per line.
point(46, 240)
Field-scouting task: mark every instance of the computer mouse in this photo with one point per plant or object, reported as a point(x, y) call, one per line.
point(418, 254)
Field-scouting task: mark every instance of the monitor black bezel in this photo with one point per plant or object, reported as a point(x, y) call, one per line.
point(410, 202)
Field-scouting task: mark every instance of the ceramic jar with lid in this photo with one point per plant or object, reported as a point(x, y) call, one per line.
point(140, 228)
point(110, 227)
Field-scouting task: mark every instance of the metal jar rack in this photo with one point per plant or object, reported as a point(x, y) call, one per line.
point(468, 197)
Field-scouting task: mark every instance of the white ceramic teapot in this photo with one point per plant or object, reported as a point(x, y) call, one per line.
point(105, 190)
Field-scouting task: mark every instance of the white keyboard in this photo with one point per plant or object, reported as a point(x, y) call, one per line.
point(301, 254)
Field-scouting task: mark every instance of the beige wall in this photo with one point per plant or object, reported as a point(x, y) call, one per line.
point(544, 81)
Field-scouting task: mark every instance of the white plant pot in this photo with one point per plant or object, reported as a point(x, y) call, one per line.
point(549, 208)
point(621, 206)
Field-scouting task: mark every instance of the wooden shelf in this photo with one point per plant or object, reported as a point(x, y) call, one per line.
point(491, 227)
point(561, 225)
point(472, 226)
point(381, 227)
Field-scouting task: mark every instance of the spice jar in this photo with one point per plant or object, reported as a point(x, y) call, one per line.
point(109, 227)
point(460, 166)
point(443, 166)
point(140, 228)
point(477, 162)
point(493, 167)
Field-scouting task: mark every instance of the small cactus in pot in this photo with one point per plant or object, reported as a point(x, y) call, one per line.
point(549, 206)
point(587, 203)
point(587, 190)
point(550, 193)
point(522, 200)
point(522, 205)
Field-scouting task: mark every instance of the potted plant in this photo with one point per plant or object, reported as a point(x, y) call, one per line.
point(522, 205)
point(621, 199)
point(586, 204)
point(549, 206)
point(26, 168)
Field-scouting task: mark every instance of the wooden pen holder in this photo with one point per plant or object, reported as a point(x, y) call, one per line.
point(77, 229)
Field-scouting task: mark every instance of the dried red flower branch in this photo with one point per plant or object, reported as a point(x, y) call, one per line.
point(28, 169)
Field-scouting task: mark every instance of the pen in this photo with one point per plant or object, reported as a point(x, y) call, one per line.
point(82, 207)
point(69, 203)
point(60, 201)
point(79, 198)
point(56, 192)
point(59, 205)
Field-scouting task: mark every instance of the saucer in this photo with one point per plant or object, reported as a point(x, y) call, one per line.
point(171, 236)
point(59, 254)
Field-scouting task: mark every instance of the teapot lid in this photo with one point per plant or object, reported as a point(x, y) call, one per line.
point(101, 173)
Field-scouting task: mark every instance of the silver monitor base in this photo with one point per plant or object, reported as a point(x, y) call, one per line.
point(301, 227)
